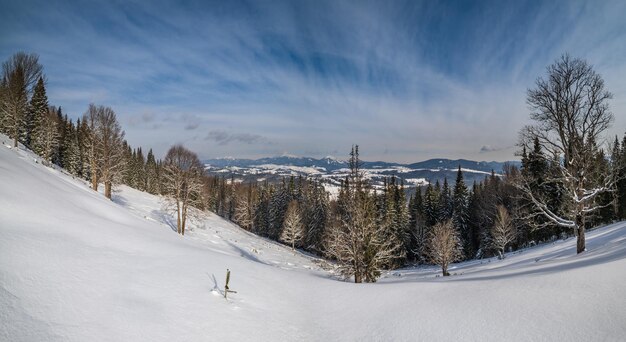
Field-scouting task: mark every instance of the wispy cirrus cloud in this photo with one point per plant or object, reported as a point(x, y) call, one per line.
point(406, 80)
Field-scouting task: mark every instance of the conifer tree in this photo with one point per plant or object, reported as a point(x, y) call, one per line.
point(431, 205)
point(140, 171)
point(151, 174)
point(316, 217)
point(460, 216)
point(72, 162)
point(39, 113)
point(445, 202)
point(261, 211)
point(417, 226)
point(37, 110)
point(277, 207)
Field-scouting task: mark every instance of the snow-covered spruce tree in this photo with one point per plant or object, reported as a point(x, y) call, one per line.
point(417, 226)
point(460, 212)
point(127, 177)
point(317, 217)
point(431, 206)
point(293, 230)
point(474, 221)
point(503, 231)
point(182, 174)
point(571, 112)
point(261, 211)
point(402, 223)
point(393, 219)
point(444, 245)
point(277, 207)
point(39, 110)
point(358, 243)
point(19, 74)
point(140, 170)
point(152, 183)
point(71, 151)
point(542, 175)
point(65, 135)
point(445, 202)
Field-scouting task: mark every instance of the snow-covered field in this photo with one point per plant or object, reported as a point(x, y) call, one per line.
point(77, 267)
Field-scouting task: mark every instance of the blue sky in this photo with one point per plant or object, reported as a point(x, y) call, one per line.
point(405, 80)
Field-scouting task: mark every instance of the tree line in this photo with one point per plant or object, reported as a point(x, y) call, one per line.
point(568, 181)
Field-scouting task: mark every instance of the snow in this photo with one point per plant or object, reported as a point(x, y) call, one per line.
point(478, 171)
point(293, 169)
point(77, 267)
point(417, 181)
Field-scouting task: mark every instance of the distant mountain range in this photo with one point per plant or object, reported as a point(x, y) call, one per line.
point(332, 170)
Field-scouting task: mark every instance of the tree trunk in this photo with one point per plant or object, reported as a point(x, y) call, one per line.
point(107, 190)
point(580, 239)
point(357, 277)
point(580, 234)
point(94, 177)
point(444, 269)
point(178, 223)
point(184, 219)
point(15, 140)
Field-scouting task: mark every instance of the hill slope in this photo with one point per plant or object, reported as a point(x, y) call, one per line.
point(75, 266)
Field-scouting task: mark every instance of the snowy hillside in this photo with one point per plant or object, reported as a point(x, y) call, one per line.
point(77, 267)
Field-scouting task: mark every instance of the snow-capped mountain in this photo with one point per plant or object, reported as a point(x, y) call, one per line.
point(332, 170)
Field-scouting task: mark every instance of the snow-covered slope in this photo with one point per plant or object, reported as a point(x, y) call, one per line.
point(77, 267)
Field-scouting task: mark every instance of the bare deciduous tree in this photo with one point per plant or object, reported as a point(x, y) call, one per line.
point(571, 111)
point(293, 229)
point(104, 146)
point(503, 231)
point(244, 216)
point(182, 172)
point(49, 135)
point(444, 246)
point(90, 142)
point(110, 152)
